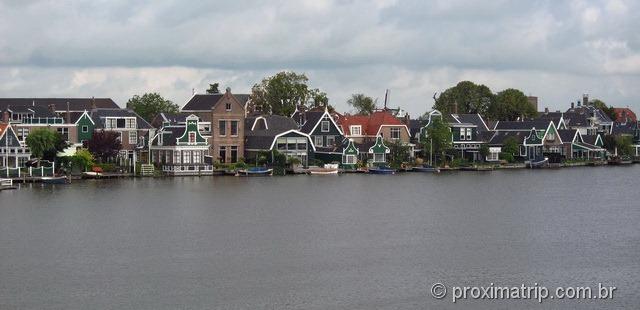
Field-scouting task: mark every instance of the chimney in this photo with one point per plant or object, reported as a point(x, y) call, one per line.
point(93, 103)
point(68, 116)
point(572, 105)
point(407, 119)
point(585, 99)
point(52, 108)
point(546, 110)
point(228, 89)
point(455, 107)
point(5, 117)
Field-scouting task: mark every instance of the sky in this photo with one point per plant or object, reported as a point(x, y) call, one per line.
point(556, 50)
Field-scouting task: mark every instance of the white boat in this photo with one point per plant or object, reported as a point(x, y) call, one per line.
point(91, 175)
point(328, 169)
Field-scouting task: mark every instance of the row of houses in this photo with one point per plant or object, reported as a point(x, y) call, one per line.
point(222, 128)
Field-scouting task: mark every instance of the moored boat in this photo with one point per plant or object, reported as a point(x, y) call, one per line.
point(56, 180)
point(537, 163)
point(91, 175)
point(328, 169)
point(382, 170)
point(255, 172)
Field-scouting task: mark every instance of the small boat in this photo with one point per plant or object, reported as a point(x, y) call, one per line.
point(537, 163)
point(620, 161)
point(56, 180)
point(328, 169)
point(426, 168)
point(382, 170)
point(255, 172)
point(91, 175)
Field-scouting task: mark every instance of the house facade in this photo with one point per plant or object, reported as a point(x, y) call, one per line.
point(274, 132)
point(228, 132)
point(180, 149)
point(13, 154)
point(327, 136)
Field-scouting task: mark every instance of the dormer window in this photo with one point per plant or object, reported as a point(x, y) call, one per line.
point(356, 130)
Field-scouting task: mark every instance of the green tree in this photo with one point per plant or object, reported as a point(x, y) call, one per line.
point(83, 159)
point(604, 107)
point(438, 137)
point(104, 144)
point(509, 149)
point(213, 88)
point(624, 145)
point(483, 151)
point(281, 93)
point(511, 104)
point(398, 153)
point(363, 104)
point(45, 143)
point(150, 104)
point(469, 98)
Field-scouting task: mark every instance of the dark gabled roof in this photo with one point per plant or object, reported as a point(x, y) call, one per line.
point(205, 102)
point(311, 119)
point(590, 139)
point(501, 136)
point(522, 125)
point(567, 135)
point(576, 119)
point(260, 138)
point(415, 125)
point(555, 117)
point(170, 134)
point(474, 119)
point(75, 104)
point(624, 129)
point(37, 111)
point(98, 114)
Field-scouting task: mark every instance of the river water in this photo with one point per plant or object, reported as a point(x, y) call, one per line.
point(320, 242)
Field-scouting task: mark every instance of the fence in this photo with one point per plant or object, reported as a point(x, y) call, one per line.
point(26, 172)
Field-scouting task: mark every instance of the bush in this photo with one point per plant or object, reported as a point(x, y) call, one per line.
point(107, 167)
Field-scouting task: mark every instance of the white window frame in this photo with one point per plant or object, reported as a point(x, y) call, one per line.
point(84, 128)
point(469, 134)
point(395, 130)
point(186, 157)
point(350, 159)
point(318, 140)
point(133, 137)
point(375, 155)
point(356, 130)
point(231, 128)
point(324, 124)
point(130, 123)
point(462, 134)
point(331, 140)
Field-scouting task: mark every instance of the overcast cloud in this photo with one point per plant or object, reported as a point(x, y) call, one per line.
point(556, 50)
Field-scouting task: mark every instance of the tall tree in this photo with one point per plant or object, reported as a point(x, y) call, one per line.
point(104, 144)
point(509, 149)
point(511, 104)
point(45, 143)
point(279, 94)
point(467, 96)
point(150, 104)
point(438, 138)
point(604, 107)
point(363, 104)
point(213, 88)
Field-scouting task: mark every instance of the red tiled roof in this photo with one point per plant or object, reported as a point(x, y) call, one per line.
point(619, 112)
point(3, 127)
point(370, 123)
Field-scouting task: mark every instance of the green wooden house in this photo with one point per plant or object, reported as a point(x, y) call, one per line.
point(85, 126)
point(379, 152)
point(350, 155)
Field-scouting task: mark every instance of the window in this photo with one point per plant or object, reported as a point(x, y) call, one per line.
point(167, 156)
point(186, 157)
point(234, 128)
point(197, 158)
point(111, 123)
point(469, 134)
point(131, 123)
point(324, 126)
point(395, 133)
point(22, 133)
point(318, 140)
point(356, 130)
point(492, 156)
point(85, 128)
point(192, 137)
point(331, 140)
point(222, 154)
point(462, 133)
point(133, 137)
point(378, 158)
point(234, 153)
point(64, 132)
point(228, 106)
point(176, 157)
point(350, 159)
point(120, 123)
point(222, 128)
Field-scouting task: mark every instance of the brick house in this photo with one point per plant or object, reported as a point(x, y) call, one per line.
point(227, 117)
